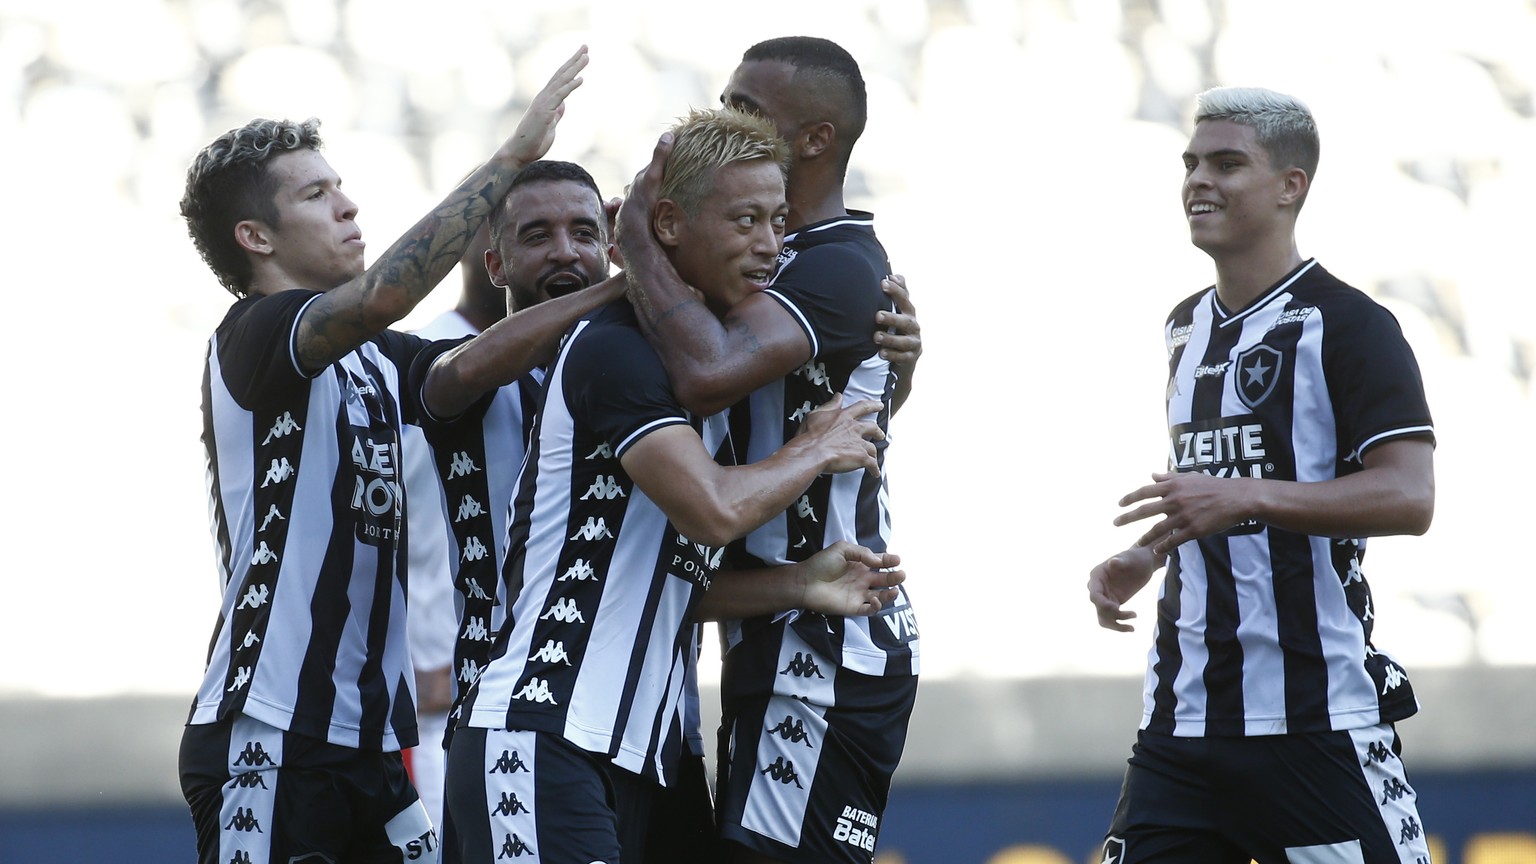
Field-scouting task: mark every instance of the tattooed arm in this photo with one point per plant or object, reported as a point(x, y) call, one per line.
point(355, 312)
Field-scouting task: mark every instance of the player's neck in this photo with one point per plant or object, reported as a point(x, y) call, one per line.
point(812, 201)
point(1242, 276)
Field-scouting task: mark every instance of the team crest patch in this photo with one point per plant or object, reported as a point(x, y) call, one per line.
point(1258, 369)
point(1114, 851)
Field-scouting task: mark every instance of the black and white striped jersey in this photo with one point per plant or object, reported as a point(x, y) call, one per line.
point(477, 457)
point(304, 501)
point(599, 648)
point(1259, 630)
point(829, 281)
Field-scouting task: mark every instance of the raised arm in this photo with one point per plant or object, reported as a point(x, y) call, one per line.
point(509, 348)
point(1394, 494)
point(841, 580)
point(712, 363)
point(714, 505)
point(351, 314)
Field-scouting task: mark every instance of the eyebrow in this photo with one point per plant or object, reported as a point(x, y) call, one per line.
point(1217, 154)
point(741, 100)
point(524, 227)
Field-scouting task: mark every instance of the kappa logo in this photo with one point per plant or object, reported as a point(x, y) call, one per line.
point(1395, 676)
point(603, 451)
point(469, 672)
point(242, 678)
point(469, 508)
point(474, 550)
point(1378, 751)
point(816, 373)
point(284, 425)
point(254, 755)
point(792, 730)
point(244, 820)
point(1355, 574)
point(272, 513)
point(508, 763)
point(1393, 789)
point(594, 529)
point(263, 554)
point(536, 691)
point(799, 413)
point(278, 472)
point(564, 611)
point(250, 639)
point(249, 780)
point(803, 665)
point(514, 847)
point(1368, 615)
point(1114, 851)
point(462, 465)
point(783, 770)
point(580, 571)
point(1410, 831)
point(240, 858)
point(473, 591)
point(803, 508)
point(552, 652)
point(510, 805)
point(604, 488)
point(1258, 369)
point(255, 597)
point(475, 629)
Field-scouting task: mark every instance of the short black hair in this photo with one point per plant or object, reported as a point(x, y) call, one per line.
point(542, 171)
point(828, 64)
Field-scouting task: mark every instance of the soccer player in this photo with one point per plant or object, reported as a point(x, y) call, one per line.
point(291, 751)
point(815, 707)
point(581, 713)
point(1297, 427)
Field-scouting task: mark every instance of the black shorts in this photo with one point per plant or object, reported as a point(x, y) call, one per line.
point(807, 751)
point(258, 794)
point(536, 798)
point(1322, 798)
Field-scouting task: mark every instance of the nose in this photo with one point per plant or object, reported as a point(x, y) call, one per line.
point(348, 206)
point(765, 240)
point(563, 249)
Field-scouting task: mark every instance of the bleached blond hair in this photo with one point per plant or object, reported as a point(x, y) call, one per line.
point(1283, 124)
point(707, 140)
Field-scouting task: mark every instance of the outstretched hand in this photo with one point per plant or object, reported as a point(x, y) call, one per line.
point(846, 435)
point(846, 579)
point(536, 131)
point(1113, 583)
point(1193, 506)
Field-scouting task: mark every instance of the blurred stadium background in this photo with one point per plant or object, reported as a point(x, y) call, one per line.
point(1022, 158)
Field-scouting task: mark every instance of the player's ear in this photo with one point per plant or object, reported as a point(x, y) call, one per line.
point(815, 139)
point(668, 221)
point(493, 269)
point(253, 236)
point(1295, 186)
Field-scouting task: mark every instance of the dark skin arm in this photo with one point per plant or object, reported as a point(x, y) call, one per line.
point(351, 314)
point(905, 345)
point(841, 580)
point(508, 349)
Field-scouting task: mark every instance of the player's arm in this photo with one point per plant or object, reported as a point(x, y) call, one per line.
point(1114, 582)
point(508, 349)
point(714, 504)
point(902, 344)
point(1393, 494)
point(844, 579)
point(712, 363)
point(351, 314)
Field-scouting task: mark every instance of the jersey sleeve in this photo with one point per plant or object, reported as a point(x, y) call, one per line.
point(616, 386)
point(257, 353)
point(1378, 392)
point(833, 293)
point(416, 381)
